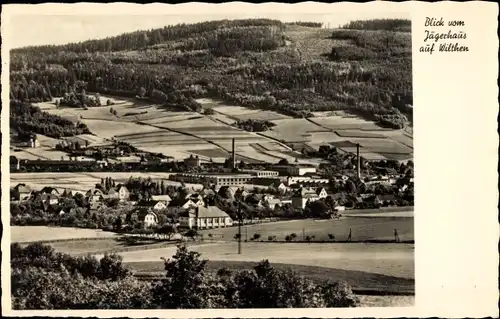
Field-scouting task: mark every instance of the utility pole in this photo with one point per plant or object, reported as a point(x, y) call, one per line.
point(246, 233)
point(239, 227)
point(303, 234)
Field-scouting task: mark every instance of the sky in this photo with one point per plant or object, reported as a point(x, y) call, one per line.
point(66, 23)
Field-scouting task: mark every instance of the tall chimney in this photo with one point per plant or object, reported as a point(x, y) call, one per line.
point(358, 166)
point(234, 156)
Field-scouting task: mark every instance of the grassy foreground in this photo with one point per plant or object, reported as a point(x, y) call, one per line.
point(362, 282)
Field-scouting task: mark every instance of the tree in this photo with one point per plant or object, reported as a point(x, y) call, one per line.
point(167, 230)
point(318, 208)
point(142, 92)
point(192, 233)
point(350, 187)
point(118, 223)
point(185, 284)
point(339, 294)
point(284, 161)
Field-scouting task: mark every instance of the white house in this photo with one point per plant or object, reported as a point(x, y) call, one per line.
point(155, 205)
point(204, 217)
point(191, 203)
point(150, 219)
point(306, 195)
point(94, 195)
point(146, 216)
point(50, 199)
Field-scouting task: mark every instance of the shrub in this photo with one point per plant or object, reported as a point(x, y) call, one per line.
point(256, 236)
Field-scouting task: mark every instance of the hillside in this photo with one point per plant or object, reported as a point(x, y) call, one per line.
point(292, 69)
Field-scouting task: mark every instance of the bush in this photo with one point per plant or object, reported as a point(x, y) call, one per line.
point(43, 279)
point(256, 236)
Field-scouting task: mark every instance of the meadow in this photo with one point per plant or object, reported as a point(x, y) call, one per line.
point(363, 229)
point(82, 182)
point(24, 234)
point(396, 260)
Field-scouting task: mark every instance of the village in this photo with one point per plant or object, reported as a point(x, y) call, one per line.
point(230, 193)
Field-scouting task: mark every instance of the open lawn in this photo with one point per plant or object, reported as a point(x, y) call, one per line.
point(43, 233)
point(358, 279)
point(362, 229)
point(395, 260)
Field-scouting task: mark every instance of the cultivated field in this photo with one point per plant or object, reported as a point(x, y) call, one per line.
point(82, 182)
point(180, 134)
point(362, 229)
point(395, 260)
point(42, 233)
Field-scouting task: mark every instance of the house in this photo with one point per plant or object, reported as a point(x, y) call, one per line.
point(195, 198)
point(162, 198)
point(24, 191)
point(204, 217)
point(321, 192)
point(273, 203)
point(120, 191)
point(303, 196)
point(189, 203)
point(155, 205)
point(94, 195)
point(146, 216)
point(49, 198)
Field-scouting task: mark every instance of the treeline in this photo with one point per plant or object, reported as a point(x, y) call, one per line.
point(140, 39)
point(306, 24)
point(254, 125)
point(403, 25)
point(372, 79)
point(44, 279)
point(27, 119)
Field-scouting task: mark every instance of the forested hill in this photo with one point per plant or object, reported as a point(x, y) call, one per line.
point(293, 68)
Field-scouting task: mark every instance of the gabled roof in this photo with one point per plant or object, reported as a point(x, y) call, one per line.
point(150, 203)
point(164, 198)
point(94, 191)
point(210, 212)
point(112, 191)
point(306, 192)
point(67, 192)
point(48, 190)
point(319, 190)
